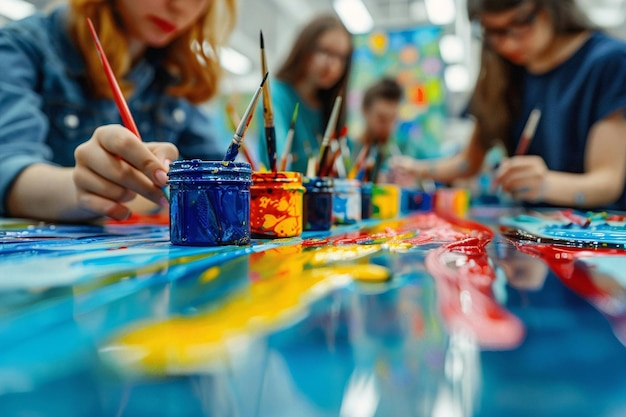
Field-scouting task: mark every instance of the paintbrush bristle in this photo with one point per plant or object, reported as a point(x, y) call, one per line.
point(261, 39)
point(294, 116)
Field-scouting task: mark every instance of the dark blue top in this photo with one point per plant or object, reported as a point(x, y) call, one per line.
point(585, 89)
point(46, 109)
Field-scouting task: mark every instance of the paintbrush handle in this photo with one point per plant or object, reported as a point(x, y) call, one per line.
point(321, 165)
point(285, 156)
point(330, 127)
point(270, 137)
point(529, 132)
point(378, 162)
point(247, 156)
point(118, 96)
point(362, 157)
point(233, 149)
point(334, 157)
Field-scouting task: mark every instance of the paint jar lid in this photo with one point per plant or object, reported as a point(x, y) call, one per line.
point(318, 184)
point(344, 185)
point(277, 177)
point(209, 171)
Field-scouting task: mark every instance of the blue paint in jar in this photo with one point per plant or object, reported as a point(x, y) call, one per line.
point(210, 202)
point(366, 200)
point(318, 203)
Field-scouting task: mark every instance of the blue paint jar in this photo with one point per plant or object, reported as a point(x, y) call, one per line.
point(366, 200)
point(318, 203)
point(346, 201)
point(210, 203)
point(415, 200)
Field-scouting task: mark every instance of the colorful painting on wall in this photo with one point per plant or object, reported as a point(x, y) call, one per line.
point(412, 57)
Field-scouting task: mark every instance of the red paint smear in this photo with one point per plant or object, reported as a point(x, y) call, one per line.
point(577, 277)
point(463, 275)
point(462, 272)
point(463, 278)
point(158, 218)
point(426, 227)
point(562, 261)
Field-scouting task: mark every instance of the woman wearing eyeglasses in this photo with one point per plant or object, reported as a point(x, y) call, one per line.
point(314, 73)
point(544, 57)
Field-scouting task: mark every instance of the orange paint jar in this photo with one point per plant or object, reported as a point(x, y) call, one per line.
point(276, 204)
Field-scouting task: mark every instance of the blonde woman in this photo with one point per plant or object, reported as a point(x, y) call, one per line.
point(63, 152)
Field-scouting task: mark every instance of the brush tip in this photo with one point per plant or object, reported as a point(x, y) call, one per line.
point(343, 131)
point(264, 78)
point(261, 39)
point(92, 29)
point(294, 116)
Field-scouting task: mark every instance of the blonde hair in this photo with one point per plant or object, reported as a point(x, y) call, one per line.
point(191, 58)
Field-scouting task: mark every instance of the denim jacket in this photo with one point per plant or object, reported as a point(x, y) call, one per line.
point(46, 110)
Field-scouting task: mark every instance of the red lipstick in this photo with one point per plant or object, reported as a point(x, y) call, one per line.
point(162, 24)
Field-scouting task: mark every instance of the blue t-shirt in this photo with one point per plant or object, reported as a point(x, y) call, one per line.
point(572, 97)
point(308, 130)
point(46, 109)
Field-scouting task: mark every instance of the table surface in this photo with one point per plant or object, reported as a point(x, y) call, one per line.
point(115, 321)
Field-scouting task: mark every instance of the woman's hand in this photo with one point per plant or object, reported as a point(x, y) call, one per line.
point(523, 177)
point(113, 166)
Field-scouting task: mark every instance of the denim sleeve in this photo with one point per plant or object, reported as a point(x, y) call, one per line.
point(23, 125)
point(199, 139)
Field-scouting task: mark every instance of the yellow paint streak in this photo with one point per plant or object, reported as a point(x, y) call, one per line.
point(210, 274)
point(182, 344)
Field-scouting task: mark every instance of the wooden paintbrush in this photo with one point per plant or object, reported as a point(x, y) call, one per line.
point(118, 96)
point(379, 158)
point(335, 161)
point(234, 120)
point(360, 161)
point(122, 106)
point(529, 132)
point(330, 128)
point(233, 148)
point(268, 112)
point(292, 128)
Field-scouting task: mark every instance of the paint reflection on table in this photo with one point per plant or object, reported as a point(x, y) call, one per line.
point(114, 321)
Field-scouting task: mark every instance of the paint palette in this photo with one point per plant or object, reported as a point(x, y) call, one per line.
point(568, 228)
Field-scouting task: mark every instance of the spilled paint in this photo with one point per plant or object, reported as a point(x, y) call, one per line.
point(286, 279)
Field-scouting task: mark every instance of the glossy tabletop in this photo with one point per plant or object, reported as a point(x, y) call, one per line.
point(421, 316)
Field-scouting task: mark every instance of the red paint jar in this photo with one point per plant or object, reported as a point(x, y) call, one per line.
point(276, 204)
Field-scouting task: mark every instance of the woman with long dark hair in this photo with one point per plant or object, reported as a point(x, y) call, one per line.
point(314, 73)
point(544, 57)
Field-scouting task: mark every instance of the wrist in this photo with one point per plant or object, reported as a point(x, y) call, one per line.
point(424, 170)
point(544, 190)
